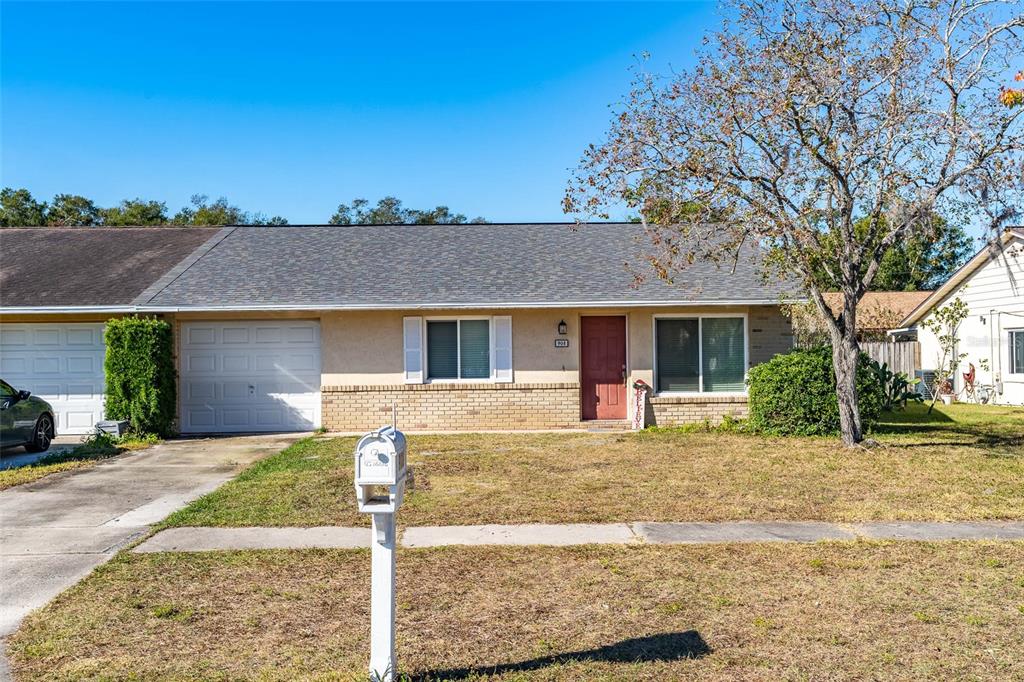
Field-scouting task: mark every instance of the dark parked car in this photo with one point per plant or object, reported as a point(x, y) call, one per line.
point(24, 420)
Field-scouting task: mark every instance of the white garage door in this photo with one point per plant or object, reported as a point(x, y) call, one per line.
point(60, 363)
point(250, 376)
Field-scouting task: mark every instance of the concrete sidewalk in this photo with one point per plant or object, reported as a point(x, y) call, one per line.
point(207, 539)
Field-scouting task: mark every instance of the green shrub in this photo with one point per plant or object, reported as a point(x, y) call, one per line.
point(795, 394)
point(141, 381)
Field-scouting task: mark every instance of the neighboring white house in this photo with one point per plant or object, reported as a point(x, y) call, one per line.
point(992, 336)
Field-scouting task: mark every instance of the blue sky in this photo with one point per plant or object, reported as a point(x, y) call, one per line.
point(291, 109)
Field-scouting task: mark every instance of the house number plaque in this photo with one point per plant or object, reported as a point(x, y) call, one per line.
point(561, 343)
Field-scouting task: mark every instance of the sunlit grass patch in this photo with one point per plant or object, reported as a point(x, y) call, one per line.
point(962, 462)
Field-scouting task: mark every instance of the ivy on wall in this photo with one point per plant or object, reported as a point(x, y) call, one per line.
point(141, 380)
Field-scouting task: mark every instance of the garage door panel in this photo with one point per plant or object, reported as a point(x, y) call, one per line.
point(268, 335)
point(268, 416)
point(60, 363)
point(267, 363)
point(265, 376)
point(11, 366)
point(199, 335)
point(46, 365)
point(197, 419)
point(236, 418)
point(57, 390)
point(201, 390)
point(236, 335)
point(13, 338)
point(83, 337)
point(236, 390)
point(82, 365)
point(84, 419)
point(46, 337)
point(301, 362)
point(304, 335)
point(303, 416)
point(79, 391)
point(236, 363)
point(204, 362)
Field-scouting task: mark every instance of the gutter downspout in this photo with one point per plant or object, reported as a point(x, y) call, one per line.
point(997, 356)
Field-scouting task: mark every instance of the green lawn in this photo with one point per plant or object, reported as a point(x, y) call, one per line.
point(837, 611)
point(961, 462)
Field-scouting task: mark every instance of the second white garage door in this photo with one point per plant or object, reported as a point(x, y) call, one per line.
point(60, 363)
point(250, 376)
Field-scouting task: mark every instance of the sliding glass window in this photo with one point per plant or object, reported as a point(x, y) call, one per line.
point(700, 354)
point(458, 349)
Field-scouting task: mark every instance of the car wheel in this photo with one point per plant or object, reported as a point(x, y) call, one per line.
point(41, 435)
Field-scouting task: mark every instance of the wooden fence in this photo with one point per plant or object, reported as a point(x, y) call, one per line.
point(901, 356)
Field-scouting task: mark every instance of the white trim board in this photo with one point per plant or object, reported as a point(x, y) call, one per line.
point(495, 305)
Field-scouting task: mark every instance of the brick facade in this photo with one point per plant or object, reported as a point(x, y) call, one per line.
point(675, 410)
point(771, 333)
point(452, 407)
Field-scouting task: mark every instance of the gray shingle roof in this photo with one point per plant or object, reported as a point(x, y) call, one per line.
point(89, 266)
point(441, 265)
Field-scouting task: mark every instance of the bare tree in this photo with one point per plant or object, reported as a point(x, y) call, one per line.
point(806, 119)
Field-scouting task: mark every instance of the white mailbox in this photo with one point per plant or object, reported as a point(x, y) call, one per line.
point(380, 470)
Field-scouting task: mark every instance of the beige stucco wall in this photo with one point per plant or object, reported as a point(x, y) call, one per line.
point(362, 356)
point(365, 347)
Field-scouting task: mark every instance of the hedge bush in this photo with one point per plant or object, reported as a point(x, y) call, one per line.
point(141, 381)
point(795, 394)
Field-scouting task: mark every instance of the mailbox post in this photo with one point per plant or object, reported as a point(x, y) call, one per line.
point(380, 471)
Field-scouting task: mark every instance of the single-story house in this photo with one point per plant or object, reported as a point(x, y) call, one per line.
point(991, 284)
point(494, 326)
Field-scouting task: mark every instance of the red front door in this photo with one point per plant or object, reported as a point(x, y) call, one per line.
point(603, 357)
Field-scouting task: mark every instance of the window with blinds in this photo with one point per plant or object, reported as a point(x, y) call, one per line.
point(443, 350)
point(678, 351)
point(723, 357)
point(701, 354)
point(475, 349)
point(458, 349)
point(1017, 351)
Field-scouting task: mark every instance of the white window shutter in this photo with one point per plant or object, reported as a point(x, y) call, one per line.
point(503, 348)
point(412, 340)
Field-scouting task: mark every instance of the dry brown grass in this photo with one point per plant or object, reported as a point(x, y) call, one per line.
point(964, 464)
point(740, 612)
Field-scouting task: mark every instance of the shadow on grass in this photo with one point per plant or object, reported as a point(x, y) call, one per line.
point(915, 419)
point(669, 646)
point(987, 443)
point(972, 426)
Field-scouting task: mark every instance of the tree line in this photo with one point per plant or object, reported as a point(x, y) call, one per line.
point(18, 208)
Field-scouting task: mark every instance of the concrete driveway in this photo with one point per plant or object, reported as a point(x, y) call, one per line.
point(55, 531)
point(19, 456)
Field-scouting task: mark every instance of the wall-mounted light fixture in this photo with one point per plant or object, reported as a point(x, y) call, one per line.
point(563, 328)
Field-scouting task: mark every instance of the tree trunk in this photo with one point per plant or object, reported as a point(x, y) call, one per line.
point(845, 352)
